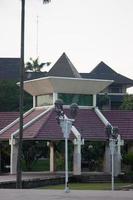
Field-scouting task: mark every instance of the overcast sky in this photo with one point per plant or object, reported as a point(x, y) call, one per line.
point(89, 31)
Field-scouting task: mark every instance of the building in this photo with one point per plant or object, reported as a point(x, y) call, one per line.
point(40, 121)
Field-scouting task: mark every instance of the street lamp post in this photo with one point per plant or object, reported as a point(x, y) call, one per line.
point(66, 125)
point(19, 173)
point(20, 137)
point(112, 133)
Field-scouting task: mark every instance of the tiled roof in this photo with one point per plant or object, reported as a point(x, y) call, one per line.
point(87, 123)
point(15, 127)
point(46, 127)
point(9, 68)
point(6, 118)
point(123, 120)
point(64, 68)
point(103, 71)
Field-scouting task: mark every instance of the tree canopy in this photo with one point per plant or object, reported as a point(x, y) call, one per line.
point(34, 65)
point(127, 103)
point(9, 97)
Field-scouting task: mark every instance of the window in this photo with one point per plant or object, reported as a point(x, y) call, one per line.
point(44, 100)
point(115, 89)
point(80, 99)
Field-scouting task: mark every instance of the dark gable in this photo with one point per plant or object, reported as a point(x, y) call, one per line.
point(103, 71)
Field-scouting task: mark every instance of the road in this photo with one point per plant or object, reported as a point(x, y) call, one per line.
point(35, 194)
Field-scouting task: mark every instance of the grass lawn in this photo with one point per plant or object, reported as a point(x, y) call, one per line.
point(88, 186)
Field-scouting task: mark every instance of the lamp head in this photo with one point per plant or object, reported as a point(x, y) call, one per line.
point(108, 130)
point(112, 132)
point(115, 132)
point(59, 104)
point(74, 110)
point(59, 109)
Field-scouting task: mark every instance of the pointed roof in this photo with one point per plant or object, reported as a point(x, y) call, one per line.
point(103, 71)
point(64, 68)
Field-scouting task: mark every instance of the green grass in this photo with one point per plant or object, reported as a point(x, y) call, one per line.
point(40, 165)
point(88, 186)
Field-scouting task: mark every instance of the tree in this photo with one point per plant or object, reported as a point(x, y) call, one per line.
point(127, 103)
point(9, 97)
point(33, 65)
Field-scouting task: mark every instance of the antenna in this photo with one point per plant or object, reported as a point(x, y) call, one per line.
point(37, 30)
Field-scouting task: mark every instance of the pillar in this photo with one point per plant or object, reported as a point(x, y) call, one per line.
point(34, 101)
point(13, 156)
point(52, 157)
point(55, 97)
point(94, 100)
point(77, 157)
point(107, 161)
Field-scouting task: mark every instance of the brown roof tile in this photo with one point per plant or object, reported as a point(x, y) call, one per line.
point(87, 123)
point(15, 127)
point(123, 120)
point(6, 118)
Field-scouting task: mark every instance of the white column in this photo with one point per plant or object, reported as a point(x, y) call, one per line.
point(13, 156)
point(52, 160)
point(94, 100)
point(34, 101)
point(77, 157)
point(55, 97)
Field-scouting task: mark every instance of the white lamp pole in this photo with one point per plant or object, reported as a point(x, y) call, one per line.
point(66, 125)
point(112, 149)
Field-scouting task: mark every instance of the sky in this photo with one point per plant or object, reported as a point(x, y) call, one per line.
point(88, 31)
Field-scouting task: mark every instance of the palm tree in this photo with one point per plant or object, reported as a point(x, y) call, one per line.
point(19, 173)
point(33, 65)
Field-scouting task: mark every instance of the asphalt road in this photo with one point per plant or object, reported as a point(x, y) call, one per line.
point(35, 194)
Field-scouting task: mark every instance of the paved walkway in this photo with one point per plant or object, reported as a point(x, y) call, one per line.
point(30, 176)
point(6, 194)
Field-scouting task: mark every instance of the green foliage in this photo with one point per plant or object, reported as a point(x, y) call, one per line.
point(5, 155)
point(127, 103)
point(92, 155)
point(102, 100)
point(128, 159)
point(33, 151)
point(33, 65)
point(60, 155)
point(39, 165)
point(9, 96)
